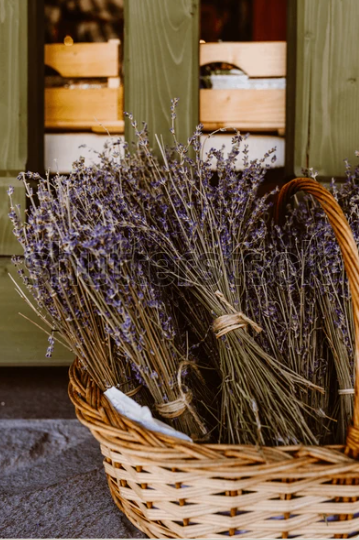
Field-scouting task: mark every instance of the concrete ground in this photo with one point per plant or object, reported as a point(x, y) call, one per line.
point(52, 483)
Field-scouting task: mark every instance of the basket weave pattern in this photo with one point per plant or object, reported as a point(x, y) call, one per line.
point(172, 489)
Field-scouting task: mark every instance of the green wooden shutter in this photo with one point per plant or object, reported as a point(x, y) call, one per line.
point(13, 112)
point(325, 106)
point(21, 343)
point(162, 63)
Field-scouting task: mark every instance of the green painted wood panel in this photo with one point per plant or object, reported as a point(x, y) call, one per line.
point(9, 244)
point(327, 85)
point(21, 343)
point(13, 110)
point(161, 48)
point(13, 84)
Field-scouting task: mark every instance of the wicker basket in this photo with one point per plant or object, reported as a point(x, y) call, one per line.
point(172, 489)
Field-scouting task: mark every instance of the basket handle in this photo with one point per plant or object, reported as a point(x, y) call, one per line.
point(350, 256)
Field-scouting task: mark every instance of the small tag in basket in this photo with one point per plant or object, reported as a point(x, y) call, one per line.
point(142, 415)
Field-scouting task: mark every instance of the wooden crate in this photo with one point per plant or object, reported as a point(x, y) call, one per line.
point(101, 109)
point(252, 110)
point(85, 108)
point(82, 108)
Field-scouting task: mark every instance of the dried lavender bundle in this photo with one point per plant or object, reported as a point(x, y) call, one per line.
point(309, 301)
point(205, 232)
point(332, 292)
point(332, 295)
point(79, 259)
point(282, 284)
point(65, 313)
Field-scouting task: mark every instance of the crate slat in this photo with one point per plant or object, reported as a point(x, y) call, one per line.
point(82, 108)
point(256, 59)
point(242, 109)
point(84, 59)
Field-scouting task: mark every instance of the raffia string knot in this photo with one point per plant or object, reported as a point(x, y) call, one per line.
point(175, 408)
point(231, 321)
point(133, 392)
point(346, 392)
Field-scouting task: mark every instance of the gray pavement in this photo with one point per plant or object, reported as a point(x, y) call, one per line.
point(52, 482)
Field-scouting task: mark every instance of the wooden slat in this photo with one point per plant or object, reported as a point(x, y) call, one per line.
point(82, 107)
point(21, 342)
point(242, 109)
point(84, 59)
point(103, 127)
point(13, 84)
point(161, 63)
point(261, 59)
point(327, 86)
point(13, 112)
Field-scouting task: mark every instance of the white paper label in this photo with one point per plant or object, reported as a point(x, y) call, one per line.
point(142, 415)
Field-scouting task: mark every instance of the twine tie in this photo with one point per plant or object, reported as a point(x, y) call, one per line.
point(134, 391)
point(231, 321)
point(175, 408)
point(346, 392)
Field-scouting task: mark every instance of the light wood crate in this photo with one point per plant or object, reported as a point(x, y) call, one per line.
point(102, 109)
point(85, 108)
point(80, 108)
point(246, 109)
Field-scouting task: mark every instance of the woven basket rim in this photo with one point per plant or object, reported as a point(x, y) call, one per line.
point(108, 424)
